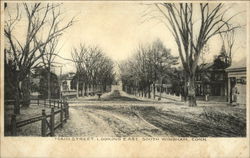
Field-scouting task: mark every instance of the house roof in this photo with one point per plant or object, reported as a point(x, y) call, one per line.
point(206, 66)
point(238, 66)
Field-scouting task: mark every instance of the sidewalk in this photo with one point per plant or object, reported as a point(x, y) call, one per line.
point(165, 100)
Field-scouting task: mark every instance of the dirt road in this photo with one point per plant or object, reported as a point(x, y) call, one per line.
point(118, 115)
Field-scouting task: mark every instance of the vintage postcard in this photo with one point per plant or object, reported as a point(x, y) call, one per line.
point(125, 79)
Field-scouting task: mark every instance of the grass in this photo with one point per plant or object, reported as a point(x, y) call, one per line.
point(33, 129)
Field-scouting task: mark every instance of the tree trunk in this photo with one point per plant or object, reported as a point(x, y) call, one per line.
point(26, 91)
point(154, 90)
point(185, 90)
point(77, 88)
point(17, 100)
point(191, 91)
point(81, 91)
point(105, 87)
point(149, 91)
point(85, 90)
point(144, 92)
point(49, 88)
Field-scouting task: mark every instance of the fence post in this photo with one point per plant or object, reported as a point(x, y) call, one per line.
point(13, 125)
point(44, 129)
point(67, 109)
point(44, 102)
point(54, 103)
point(49, 103)
point(52, 122)
point(61, 115)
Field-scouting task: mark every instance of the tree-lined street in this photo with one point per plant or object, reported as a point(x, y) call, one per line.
point(125, 79)
point(118, 114)
point(163, 86)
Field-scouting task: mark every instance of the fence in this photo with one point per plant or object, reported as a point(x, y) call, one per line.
point(45, 102)
point(48, 127)
point(69, 94)
point(170, 96)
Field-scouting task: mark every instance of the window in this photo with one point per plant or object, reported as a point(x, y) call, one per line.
point(241, 80)
point(65, 86)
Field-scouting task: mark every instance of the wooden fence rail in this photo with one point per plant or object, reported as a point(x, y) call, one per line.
point(47, 127)
point(44, 102)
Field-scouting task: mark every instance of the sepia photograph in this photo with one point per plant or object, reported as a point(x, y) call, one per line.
point(123, 69)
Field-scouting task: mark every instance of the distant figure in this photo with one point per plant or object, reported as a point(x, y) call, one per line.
point(235, 93)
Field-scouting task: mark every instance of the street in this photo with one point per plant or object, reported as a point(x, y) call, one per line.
point(117, 114)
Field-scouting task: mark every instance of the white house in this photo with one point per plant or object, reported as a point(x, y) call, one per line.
point(237, 78)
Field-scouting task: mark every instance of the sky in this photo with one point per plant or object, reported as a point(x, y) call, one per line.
point(119, 27)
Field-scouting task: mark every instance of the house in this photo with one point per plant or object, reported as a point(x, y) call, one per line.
point(66, 80)
point(211, 80)
point(237, 78)
point(66, 88)
point(39, 83)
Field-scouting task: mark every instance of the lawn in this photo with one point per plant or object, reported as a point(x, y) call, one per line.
point(33, 129)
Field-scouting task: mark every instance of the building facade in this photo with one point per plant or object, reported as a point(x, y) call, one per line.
point(212, 82)
point(65, 87)
point(237, 82)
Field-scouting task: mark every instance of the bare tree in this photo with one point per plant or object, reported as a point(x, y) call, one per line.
point(25, 53)
point(162, 62)
point(228, 40)
point(150, 64)
point(48, 59)
point(190, 42)
point(93, 68)
point(79, 56)
point(50, 50)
